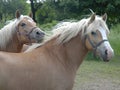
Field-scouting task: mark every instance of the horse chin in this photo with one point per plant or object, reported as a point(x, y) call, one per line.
point(41, 40)
point(105, 59)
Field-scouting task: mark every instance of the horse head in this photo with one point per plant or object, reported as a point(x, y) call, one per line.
point(27, 31)
point(96, 32)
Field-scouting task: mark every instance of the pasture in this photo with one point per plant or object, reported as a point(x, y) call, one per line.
point(98, 75)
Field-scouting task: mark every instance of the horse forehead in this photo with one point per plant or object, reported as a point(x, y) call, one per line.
point(103, 33)
point(28, 20)
point(97, 25)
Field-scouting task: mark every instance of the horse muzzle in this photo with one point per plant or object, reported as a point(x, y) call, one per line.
point(37, 35)
point(106, 53)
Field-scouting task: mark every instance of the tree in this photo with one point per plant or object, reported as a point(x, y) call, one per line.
point(76, 9)
point(35, 4)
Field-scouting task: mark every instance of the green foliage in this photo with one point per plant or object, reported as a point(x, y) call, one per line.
point(45, 14)
point(48, 10)
point(9, 7)
point(48, 26)
point(115, 39)
point(75, 9)
point(57, 10)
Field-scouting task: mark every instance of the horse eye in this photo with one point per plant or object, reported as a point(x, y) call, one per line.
point(23, 24)
point(93, 33)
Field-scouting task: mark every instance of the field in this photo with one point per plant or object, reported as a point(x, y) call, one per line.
point(98, 75)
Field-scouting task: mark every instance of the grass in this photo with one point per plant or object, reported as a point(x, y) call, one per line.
point(96, 72)
point(115, 39)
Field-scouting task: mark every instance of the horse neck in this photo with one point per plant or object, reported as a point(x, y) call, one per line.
point(14, 45)
point(76, 51)
point(71, 53)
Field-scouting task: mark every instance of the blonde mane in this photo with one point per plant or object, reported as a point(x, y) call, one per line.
point(71, 29)
point(7, 32)
point(67, 30)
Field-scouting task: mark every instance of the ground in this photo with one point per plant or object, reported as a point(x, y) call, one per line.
point(98, 75)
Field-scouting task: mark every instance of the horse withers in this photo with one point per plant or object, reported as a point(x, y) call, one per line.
point(22, 30)
point(53, 65)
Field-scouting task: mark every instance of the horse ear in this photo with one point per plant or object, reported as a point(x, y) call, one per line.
point(31, 14)
point(92, 18)
point(17, 14)
point(104, 17)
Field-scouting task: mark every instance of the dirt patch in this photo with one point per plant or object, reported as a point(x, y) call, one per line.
point(99, 84)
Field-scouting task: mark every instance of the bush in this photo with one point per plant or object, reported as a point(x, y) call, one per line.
point(48, 26)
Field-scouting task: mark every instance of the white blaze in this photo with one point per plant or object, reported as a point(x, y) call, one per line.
point(106, 44)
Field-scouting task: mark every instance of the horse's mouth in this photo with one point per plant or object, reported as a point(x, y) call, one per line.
point(40, 40)
point(104, 58)
point(101, 56)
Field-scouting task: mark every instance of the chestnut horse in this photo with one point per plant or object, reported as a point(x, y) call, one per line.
point(53, 65)
point(22, 30)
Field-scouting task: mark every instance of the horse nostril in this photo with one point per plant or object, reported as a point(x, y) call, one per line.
point(40, 33)
point(106, 52)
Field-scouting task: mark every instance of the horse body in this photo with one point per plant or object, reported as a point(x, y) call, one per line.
point(52, 66)
point(28, 71)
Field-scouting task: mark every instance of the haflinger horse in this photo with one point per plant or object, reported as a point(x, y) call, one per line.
point(53, 65)
point(22, 30)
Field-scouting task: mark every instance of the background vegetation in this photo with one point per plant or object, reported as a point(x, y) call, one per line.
point(48, 10)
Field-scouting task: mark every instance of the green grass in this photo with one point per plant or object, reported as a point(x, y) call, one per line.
point(115, 39)
point(95, 71)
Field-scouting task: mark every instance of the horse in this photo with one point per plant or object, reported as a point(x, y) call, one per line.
point(53, 64)
point(22, 30)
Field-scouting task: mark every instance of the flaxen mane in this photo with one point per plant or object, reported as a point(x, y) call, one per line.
point(68, 30)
